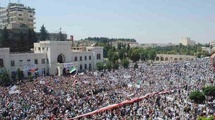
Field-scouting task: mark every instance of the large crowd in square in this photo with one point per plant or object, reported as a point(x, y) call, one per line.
point(161, 92)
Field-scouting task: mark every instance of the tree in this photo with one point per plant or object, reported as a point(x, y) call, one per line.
point(135, 66)
point(128, 47)
point(109, 65)
point(4, 78)
point(122, 53)
point(114, 58)
point(209, 91)
point(134, 54)
point(43, 34)
point(22, 45)
point(61, 37)
point(125, 63)
point(206, 118)
point(100, 66)
point(19, 75)
point(151, 54)
point(31, 38)
point(197, 96)
point(115, 66)
point(5, 41)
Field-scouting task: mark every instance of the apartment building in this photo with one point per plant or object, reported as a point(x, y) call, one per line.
point(187, 41)
point(17, 16)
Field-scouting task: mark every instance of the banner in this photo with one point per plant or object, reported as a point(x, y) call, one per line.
point(68, 65)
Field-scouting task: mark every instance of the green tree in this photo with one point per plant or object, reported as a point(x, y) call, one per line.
point(209, 91)
point(4, 78)
point(128, 47)
point(100, 66)
point(151, 54)
point(122, 54)
point(109, 65)
point(4, 40)
point(125, 63)
point(19, 75)
point(197, 96)
point(43, 34)
point(206, 118)
point(31, 38)
point(115, 66)
point(115, 58)
point(135, 66)
point(61, 37)
point(134, 54)
point(22, 45)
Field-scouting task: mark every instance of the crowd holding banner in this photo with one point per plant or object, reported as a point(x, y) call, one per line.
point(153, 92)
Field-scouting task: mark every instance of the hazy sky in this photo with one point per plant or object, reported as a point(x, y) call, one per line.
point(148, 21)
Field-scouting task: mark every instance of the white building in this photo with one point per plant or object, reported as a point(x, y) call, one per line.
point(16, 16)
point(187, 41)
point(51, 57)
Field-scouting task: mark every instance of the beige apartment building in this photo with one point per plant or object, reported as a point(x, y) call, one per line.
point(16, 16)
point(187, 41)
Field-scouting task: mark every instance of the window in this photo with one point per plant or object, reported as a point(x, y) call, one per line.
point(80, 58)
point(42, 61)
point(20, 19)
point(30, 16)
point(76, 59)
point(90, 67)
point(89, 57)
point(85, 57)
point(47, 61)
point(98, 56)
point(1, 63)
point(85, 66)
point(20, 14)
point(28, 60)
point(12, 63)
point(20, 60)
point(35, 61)
point(43, 48)
point(38, 48)
point(80, 67)
point(30, 20)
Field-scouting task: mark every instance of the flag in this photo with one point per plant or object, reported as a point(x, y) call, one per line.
point(138, 82)
point(73, 69)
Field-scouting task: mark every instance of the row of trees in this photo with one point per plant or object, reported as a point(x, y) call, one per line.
point(23, 40)
point(5, 78)
point(18, 42)
point(182, 50)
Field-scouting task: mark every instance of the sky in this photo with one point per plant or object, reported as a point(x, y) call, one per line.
point(147, 21)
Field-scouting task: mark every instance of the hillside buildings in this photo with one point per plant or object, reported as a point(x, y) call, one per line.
point(187, 41)
point(51, 58)
point(17, 16)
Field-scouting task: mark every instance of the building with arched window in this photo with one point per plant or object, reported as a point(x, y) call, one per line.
point(51, 57)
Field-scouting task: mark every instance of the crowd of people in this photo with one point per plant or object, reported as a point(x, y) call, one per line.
point(68, 97)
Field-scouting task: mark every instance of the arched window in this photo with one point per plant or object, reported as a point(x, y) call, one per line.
point(166, 59)
point(1, 63)
point(162, 59)
point(60, 58)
